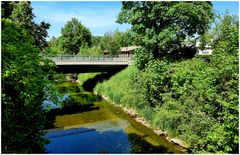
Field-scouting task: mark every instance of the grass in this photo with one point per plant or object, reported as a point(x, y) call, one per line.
point(83, 77)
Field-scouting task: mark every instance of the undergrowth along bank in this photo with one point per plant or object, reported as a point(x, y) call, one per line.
point(183, 98)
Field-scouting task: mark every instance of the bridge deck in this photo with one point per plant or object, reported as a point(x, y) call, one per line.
point(92, 63)
point(73, 64)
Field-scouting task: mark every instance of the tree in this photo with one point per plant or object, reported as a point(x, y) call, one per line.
point(22, 14)
point(93, 51)
point(113, 41)
point(53, 47)
point(7, 8)
point(225, 60)
point(96, 40)
point(126, 39)
point(24, 79)
point(24, 83)
point(110, 42)
point(161, 27)
point(74, 35)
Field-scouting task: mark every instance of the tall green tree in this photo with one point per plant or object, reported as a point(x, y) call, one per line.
point(74, 35)
point(161, 27)
point(21, 13)
point(24, 82)
point(113, 41)
point(110, 42)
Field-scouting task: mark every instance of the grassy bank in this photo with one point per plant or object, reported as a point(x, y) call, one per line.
point(191, 100)
point(83, 77)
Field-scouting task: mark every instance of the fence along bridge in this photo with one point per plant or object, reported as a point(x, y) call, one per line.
point(87, 64)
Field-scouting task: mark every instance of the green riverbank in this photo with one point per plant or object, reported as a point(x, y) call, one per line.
point(88, 110)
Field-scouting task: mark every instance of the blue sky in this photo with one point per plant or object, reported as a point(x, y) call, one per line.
point(99, 17)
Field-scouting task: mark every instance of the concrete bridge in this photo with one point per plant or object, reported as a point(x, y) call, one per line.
point(87, 64)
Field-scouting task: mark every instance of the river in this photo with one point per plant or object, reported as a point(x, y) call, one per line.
point(89, 124)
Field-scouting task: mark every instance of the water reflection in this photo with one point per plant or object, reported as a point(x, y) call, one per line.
point(48, 104)
point(108, 136)
point(80, 99)
point(101, 137)
point(90, 141)
point(84, 123)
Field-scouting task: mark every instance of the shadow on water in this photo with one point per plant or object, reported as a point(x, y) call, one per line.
point(66, 111)
point(91, 83)
point(85, 124)
point(140, 145)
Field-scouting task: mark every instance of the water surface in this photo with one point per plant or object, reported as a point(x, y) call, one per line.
point(88, 124)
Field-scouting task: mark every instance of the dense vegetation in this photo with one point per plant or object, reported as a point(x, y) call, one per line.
point(194, 99)
point(76, 39)
point(83, 77)
point(113, 41)
point(24, 76)
point(162, 27)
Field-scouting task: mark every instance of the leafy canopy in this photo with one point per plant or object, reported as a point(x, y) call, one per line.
point(161, 27)
point(24, 79)
point(25, 75)
point(113, 41)
point(74, 35)
point(21, 13)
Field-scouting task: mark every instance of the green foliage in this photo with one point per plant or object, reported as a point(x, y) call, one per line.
point(74, 35)
point(116, 86)
point(6, 8)
point(94, 51)
point(21, 13)
point(110, 42)
point(195, 100)
point(113, 41)
point(53, 47)
point(126, 39)
point(24, 82)
point(96, 40)
point(161, 27)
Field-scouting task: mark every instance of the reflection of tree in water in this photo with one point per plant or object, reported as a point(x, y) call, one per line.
point(140, 145)
point(80, 99)
point(69, 89)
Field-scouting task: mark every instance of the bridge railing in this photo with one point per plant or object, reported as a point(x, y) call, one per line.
point(68, 58)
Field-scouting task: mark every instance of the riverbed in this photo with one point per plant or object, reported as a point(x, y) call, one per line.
point(86, 123)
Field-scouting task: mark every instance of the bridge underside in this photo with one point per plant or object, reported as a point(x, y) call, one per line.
point(89, 68)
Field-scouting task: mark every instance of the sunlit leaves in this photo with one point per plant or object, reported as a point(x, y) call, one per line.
point(23, 82)
point(73, 36)
point(161, 27)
